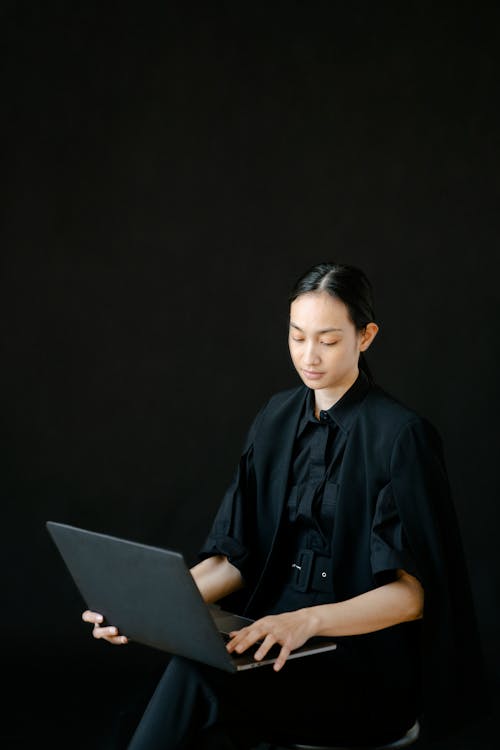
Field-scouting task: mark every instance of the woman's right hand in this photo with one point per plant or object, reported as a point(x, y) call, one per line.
point(106, 632)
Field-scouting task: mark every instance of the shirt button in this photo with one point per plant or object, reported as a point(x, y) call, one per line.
point(323, 574)
point(323, 416)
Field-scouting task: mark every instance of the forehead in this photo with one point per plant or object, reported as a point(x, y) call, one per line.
point(319, 310)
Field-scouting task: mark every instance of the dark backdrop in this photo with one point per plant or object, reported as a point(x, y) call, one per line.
point(168, 173)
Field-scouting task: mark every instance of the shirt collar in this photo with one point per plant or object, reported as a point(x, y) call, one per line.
point(343, 412)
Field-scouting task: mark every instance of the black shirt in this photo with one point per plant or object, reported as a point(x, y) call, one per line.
point(393, 509)
point(310, 510)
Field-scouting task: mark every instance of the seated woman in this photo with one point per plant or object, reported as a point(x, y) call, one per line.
point(338, 522)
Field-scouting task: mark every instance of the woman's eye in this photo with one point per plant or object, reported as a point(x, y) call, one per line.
point(294, 338)
point(329, 343)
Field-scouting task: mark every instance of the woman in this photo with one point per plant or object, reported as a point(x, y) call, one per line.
point(339, 523)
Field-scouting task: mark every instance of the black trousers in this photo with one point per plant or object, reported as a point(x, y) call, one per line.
point(318, 699)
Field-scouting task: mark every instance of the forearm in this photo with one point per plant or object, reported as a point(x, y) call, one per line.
point(216, 578)
point(396, 602)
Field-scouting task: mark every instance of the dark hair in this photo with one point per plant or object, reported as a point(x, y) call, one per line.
point(346, 283)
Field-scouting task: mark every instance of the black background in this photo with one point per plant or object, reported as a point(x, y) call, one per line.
point(169, 170)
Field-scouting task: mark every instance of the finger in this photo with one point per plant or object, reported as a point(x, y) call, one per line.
point(107, 632)
point(282, 657)
point(110, 634)
point(236, 637)
point(235, 640)
point(269, 641)
point(118, 640)
point(242, 641)
point(89, 616)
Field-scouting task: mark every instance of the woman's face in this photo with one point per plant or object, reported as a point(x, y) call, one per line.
point(324, 343)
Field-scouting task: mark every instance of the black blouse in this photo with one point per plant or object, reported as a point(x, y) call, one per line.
point(309, 520)
point(375, 478)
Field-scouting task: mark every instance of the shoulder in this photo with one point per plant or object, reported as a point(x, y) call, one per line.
point(286, 398)
point(395, 417)
point(283, 403)
point(391, 409)
point(279, 412)
point(390, 413)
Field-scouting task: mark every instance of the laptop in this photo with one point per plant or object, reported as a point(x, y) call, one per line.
point(149, 594)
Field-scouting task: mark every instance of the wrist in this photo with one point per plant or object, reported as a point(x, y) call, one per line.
point(312, 620)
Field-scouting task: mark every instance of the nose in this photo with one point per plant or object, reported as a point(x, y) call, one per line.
point(311, 354)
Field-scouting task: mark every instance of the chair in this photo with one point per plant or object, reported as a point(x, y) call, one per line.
point(407, 739)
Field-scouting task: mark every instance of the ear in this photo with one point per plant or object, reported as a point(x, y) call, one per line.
point(367, 336)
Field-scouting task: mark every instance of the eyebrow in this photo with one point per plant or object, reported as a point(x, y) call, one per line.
point(323, 330)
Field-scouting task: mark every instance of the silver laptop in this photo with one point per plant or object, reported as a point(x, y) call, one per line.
point(151, 597)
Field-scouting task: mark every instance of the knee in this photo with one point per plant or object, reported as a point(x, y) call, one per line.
point(181, 670)
point(185, 672)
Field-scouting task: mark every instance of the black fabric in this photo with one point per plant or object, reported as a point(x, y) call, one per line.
point(305, 541)
point(196, 707)
point(393, 509)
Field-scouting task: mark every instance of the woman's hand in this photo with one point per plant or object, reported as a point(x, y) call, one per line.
point(108, 632)
point(289, 629)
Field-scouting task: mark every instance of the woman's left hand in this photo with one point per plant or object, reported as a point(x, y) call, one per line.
point(289, 629)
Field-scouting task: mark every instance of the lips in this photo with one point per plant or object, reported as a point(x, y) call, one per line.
point(312, 374)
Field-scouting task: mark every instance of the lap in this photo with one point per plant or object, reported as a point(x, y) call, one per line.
point(316, 699)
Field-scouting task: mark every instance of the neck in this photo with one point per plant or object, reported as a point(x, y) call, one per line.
point(325, 398)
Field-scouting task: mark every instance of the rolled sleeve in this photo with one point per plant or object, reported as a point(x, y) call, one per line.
point(389, 544)
point(236, 553)
point(231, 531)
